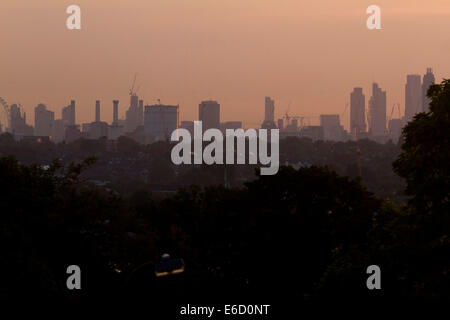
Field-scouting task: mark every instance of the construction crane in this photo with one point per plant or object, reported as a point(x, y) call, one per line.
point(132, 92)
point(392, 111)
point(301, 118)
point(286, 115)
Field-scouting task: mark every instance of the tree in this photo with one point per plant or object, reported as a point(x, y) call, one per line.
point(425, 160)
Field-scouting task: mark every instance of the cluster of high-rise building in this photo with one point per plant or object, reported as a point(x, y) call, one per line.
point(374, 123)
point(150, 123)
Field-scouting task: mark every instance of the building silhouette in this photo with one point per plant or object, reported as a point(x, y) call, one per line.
point(377, 112)
point(280, 124)
point(115, 129)
point(209, 114)
point(43, 121)
point(97, 129)
point(332, 129)
point(159, 122)
point(357, 111)
point(395, 129)
point(313, 132)
point(19, 127)
point(189, 126)
point(72, 133)
point(269, 114)
point(97, 111)
point(428, 80)
point(135, 114)
point(58, 131)
point(68, 114)
point(232, 125)
point(413, 96)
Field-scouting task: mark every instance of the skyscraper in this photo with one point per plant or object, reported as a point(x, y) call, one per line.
point(428, 80)
point(43, 121)
point(377, 111)
point(413, 96)
point(68, 114)
point(209, 114)
point(357, 111)
point(269, 114)
point(19, 125)
point(134, 114)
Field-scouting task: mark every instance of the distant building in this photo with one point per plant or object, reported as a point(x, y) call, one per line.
point(97, 111)
point(43, 121)
point(134, 114)
point(413, 96)
point(141, 113)
point(160, 121)
point(115, 129)
point(332, 129)
point(189, 126)
point(68, 114)
point(377, 112)
point(357, 111)
point(280, 124)
point(428, 80)
point(313, 132)
point(231, 125)
point(97, 129)
point(72, 133)
point(209, 114)
point(292, 126)
point(85, 128)
point(58, 131)
point(115, 112)
point(395, 129)
point(269, 114)
point(19, 125)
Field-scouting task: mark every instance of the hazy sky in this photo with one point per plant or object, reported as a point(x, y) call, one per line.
point(306, 53)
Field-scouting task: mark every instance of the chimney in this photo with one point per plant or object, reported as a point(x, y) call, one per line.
point(97, 111)
point(115, 112)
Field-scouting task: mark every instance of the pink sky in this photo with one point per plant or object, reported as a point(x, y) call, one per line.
point(307, 53)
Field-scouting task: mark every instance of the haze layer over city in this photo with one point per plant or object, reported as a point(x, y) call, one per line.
point(306, 55)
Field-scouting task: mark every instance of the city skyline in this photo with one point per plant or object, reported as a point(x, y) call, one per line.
point(135, 109)
point(211, 51)
point(156, 122)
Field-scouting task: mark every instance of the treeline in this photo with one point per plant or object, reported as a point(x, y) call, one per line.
point(126, 166)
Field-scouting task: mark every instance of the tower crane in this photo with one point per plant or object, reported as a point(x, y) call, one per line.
point(132, 92)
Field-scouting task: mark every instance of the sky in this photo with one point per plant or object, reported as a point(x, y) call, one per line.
point(306, 54)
